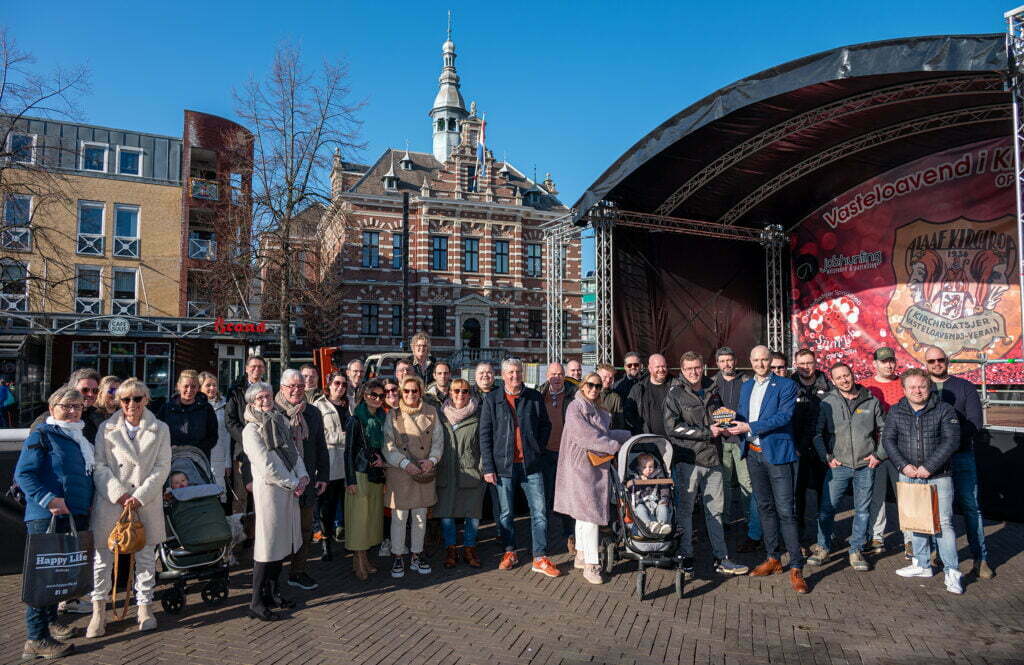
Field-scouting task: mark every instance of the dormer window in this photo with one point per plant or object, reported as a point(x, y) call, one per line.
point(530, 198)
point(406, 163)
point(390, 182)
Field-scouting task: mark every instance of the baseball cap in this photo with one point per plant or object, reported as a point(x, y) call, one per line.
point(885, 353)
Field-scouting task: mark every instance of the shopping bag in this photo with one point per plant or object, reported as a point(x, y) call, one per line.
point(918, 504)
point(58, 566)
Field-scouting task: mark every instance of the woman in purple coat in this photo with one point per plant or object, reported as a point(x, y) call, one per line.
point(581, 489)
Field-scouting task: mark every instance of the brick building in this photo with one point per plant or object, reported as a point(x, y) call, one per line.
point(475, 277)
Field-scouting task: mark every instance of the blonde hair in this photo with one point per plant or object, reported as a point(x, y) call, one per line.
point(106, 402)
point(133, 386)
point(597, 401)
point(413, 379)
point(188, 374)
point(206, 376)
point(460, 382)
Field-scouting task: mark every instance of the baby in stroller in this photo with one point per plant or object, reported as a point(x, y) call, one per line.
point(651, 503)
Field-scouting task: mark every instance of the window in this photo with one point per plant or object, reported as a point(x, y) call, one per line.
point(23, 148)
point(90, 228)
point(536, 323)
point(371, 249)
point(471, 178)
point(126, 231)
point(397, 250)
point(202, 245)
point(235, 181)
point(471, 254)
point(129, 160)
point(157, 372)
point(533, 260)
point(14, 286)
point(16, 234)
point(501, 257)
point(438, 319)
point(396, 320)
point(122, 359)
point(369, 314)
point(439, 253)
point(124, 301)
point(94, 157)
point(86, 354)
point(88, 299)
point(440, 124)
point(504, 322)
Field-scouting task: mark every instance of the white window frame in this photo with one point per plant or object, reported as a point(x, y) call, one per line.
point(18, 300)
point(128, 148)
point(10, 147)
point(16, 237)
point(125, 251)
point(87, 302)
point(94, 144)
point(120, 306)
point(78, 226)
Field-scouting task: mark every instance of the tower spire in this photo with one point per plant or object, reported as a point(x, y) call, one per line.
point(449, 109)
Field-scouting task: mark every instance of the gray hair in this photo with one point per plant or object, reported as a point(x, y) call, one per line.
point(61, 393)
point(83, 374)
point(354, 360)
point(724, 351)
point(511, 362)
point(291, 375)
point(256, 389)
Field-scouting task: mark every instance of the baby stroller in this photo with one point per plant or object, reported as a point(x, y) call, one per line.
point(631, 537)
point(199, 536)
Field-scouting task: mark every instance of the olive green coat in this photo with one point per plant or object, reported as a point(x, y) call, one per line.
point(460, 484)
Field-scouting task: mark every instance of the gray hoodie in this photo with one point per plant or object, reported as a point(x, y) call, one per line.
point(849, 431)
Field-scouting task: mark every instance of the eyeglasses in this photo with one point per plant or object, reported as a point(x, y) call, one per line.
point(413, 391)
point(459, 391)
point(294, 386)
point(134, 398)
point(339, 384)
point(71, 407)
point(938, 361)
point(375, 395)
point(89, 391)
point(591, 384)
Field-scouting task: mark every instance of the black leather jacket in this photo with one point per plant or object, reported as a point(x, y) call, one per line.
point(688, 422)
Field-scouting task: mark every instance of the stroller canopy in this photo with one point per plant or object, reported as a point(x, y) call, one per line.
point(643, 443)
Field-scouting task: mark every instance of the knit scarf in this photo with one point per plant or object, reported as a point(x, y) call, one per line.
point(410, 410)
point(276, 433)
point(456, 415)
point(300, 431)
point(373, 425)
point(74, 430)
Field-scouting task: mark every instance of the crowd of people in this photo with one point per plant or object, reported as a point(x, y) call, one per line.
point(383, 464)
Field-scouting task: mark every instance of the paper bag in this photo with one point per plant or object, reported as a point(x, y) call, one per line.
point(918, 504)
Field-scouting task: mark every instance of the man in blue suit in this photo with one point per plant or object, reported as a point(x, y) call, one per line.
point(764, 423)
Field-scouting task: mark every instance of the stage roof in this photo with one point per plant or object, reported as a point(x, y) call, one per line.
point(773, 147)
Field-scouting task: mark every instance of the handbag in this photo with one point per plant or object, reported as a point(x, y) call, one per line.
point(57, 566)
point(597, 459)
point(918, 505)
point(127, 537)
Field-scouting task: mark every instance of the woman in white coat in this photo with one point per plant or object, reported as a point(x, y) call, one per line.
point(278, 480)
point(334, 407)
point(220, 456)
point(133, 459)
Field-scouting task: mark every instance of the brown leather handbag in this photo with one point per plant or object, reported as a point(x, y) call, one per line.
point(127, 537)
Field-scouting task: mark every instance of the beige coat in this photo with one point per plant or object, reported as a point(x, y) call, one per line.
point(138, 468)
point(411, 438)
point(278, 523)
point(334, 435)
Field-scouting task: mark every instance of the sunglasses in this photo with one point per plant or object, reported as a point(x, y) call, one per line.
point(778, 367)
point(134, 398)
point(459, 391)
point(938, 361)
point(591, 384)
point(375, 395)
point(414, 391)
point(632, 364)
point(388, 391)
point(111, 391)
point(338, 383)
point(89, 391)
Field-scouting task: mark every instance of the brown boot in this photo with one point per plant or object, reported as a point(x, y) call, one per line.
point(359, 565)
point(451, 556)
point(469, 554)
point(797, 581)
point(769, 567)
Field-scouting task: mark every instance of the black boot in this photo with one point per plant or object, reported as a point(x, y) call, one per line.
point(277, 601)
point(328, 554)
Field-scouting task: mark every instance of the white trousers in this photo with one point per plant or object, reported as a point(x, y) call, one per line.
point(587, 541)
point(145, 573)
point(399, 518)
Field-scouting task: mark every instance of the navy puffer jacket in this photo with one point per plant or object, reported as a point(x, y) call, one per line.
point(927, 438)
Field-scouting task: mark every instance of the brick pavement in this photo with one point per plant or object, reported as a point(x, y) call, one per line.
point(495, 618)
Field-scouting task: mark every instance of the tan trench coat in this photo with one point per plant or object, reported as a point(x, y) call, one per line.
point(412, 438)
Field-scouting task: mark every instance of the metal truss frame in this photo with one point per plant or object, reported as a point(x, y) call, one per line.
point(915, 91)
point(1015, 63)
point(957, 118)
point(558, 233)
point(602, 219)
point(776, 286)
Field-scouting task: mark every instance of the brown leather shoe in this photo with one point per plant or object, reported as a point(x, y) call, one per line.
point(797, 581)
point(508, 561)
point(769, 567)
point(451, 556)
point(469, 554)
point(570, 545)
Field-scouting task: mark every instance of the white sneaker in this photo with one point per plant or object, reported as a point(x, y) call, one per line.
point(914, 570)
point(385, 547)
point(664, 528)
point(953, 581)
point(77, 606)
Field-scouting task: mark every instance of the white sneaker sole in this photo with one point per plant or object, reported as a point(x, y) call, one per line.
point(544, 573)
point(913, 573)
point(396, 575)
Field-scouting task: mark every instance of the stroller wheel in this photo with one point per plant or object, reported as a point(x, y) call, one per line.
point(172, 601)
point(214, 593)
point(679, 583)
point(609, 556)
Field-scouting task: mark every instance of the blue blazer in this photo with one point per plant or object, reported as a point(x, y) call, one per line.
point(774, 424)
point(51, 465)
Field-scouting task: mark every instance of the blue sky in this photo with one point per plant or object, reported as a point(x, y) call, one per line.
point(567, 87)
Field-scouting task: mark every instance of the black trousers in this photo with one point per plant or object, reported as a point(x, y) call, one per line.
point(810, 476)
point(328, 503)
point(264, 576)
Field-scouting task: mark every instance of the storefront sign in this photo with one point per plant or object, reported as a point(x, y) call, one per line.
point(227, 327)
point(118, 327)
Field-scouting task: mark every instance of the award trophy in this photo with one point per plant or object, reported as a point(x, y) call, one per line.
point(723, 417)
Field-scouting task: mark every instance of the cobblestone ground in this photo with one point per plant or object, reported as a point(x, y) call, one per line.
point(492, 617)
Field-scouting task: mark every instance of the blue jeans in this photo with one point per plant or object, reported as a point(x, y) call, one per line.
point(775, 488)
point(549, 467)
point(38, 619)
point(533, 487)
point(469, 529)
point(753, 520)
point(965, 490)
point(946, 539)
point(836, 482)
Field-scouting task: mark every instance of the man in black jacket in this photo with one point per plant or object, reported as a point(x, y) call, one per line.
point(921, 434)
point(291, 401)
point(644, 410)
point(729, 382)
point(514, 429)
point(812, 386)
point(634, 368)
point(698, 444)
point(234, 422)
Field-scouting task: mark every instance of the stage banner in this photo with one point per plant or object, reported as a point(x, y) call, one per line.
point(923, 255)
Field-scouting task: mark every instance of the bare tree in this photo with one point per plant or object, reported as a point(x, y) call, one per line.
point(298, 116)
point(33, 189)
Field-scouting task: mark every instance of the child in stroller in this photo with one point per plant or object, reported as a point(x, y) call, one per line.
point(650, 502)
